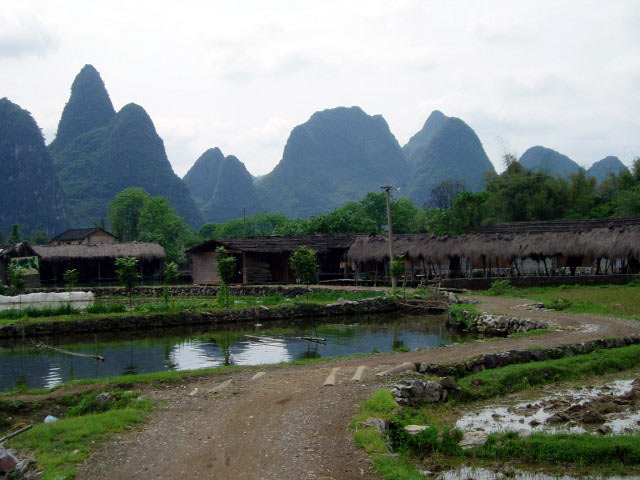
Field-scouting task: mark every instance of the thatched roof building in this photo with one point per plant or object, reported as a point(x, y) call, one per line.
point(575, 243)
point(96, 262)
point(266, 259)
point(22, 255)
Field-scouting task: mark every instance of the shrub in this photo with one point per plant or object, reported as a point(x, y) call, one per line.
point(500, 287)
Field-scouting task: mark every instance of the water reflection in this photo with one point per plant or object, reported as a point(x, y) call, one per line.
point(129, 353)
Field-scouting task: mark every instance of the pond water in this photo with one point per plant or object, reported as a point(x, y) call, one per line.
point(200, 347)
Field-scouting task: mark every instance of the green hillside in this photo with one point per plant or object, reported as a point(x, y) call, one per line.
point(30, 194)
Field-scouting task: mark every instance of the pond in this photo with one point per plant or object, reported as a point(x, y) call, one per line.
point(200, 347)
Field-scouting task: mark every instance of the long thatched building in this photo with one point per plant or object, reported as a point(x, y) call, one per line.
point(266, 259)
point(564, 247)
point(96, 262)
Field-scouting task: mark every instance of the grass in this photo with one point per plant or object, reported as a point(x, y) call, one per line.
point(441, 442)
point(514, 378)
point(530, 333)
point(575, 449)
point(459, 310)
point(157, 305)
point(607, 300)
point(59, 446)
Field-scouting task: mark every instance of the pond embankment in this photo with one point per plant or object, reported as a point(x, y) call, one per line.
point(93, 323)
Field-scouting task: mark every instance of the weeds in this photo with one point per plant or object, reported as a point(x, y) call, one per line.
point(500, 287)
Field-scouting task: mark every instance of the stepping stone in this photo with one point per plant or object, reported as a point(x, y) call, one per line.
point(414, 429)
point(220, 387)
point(258, 375)
point(403, 367)
point(358, 375)
point(194, 392)
point(331, 379)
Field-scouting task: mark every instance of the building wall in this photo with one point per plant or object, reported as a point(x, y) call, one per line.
point(204, 269)
point(100, 237)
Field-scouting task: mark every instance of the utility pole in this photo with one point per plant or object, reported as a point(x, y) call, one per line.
point(244, 222)
point(387, 190)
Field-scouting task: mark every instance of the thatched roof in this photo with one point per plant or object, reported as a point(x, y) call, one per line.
point(614, 242)
point(20, 249)
point(568, 225)
point(78, 234)
point(140, 250)
point(320, 243)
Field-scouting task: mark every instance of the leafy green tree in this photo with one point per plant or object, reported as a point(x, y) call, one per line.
point(170, 277)
point(226, 269)
point(127, 273)
point(39, 237)
point(398, 268)
point(17, 280)
point(628, 202)
point(375, 208)
point(70, 277)
point(15, 235)
point(124, 213)
point(159, 223)
point(304, 262)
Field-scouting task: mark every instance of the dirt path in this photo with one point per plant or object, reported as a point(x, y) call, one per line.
point(286, 424)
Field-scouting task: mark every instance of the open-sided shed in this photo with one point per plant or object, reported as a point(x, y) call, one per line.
point(266, 259)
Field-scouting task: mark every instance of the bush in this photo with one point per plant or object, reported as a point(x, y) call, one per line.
point(500, 287)
point(100, 307)
point(558, 304)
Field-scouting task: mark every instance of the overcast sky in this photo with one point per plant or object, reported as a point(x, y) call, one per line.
point(240, 75)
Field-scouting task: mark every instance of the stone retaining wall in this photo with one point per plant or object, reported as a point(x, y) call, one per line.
point(200, 290)
point(178, 319)
point(510, 357)
point(495, 325)
point(538, 281)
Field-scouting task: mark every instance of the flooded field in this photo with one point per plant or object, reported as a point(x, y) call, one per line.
point(192, 348)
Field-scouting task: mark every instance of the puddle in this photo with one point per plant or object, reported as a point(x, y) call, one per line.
point(468, 473)
point(612, 408)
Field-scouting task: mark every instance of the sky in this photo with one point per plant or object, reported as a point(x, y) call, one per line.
point(240, 75)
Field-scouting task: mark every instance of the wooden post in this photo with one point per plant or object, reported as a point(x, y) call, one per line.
point(244, 269)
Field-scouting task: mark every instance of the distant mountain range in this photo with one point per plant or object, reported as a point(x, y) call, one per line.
point(98, 152)
point(338, 155)
point(30, 193)
point(222, 187)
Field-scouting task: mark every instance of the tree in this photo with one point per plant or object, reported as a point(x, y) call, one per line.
point(124, 213)
point(70, 277)
point(127, 273)
point(15, 236)
point(39, 237)
point(159, 222)
point(304, 262)
point(226, 269)
point(443, 195)
point(17, 282)
point(398, 268)
point(170, 277)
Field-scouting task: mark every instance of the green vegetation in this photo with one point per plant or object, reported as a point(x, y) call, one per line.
point(226, 265)
point(500, 287)
point(579, 450)
point(514, 378)
point(70, 277)
point(30, 195)
point(134, 215)
point(463, 313)
point(59, 446)
point(127, 272)
point(441, 442)
point(530, 333)
point(607, 300)
point(304, 262)
point(100, 153)
point(17, 282)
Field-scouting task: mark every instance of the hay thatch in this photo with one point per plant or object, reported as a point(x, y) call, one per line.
point(321, 243)
point(20, 249)
point(611, 243)
point(63, 253)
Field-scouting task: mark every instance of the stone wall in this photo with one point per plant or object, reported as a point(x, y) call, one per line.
point(494, 325)
point(496, 360)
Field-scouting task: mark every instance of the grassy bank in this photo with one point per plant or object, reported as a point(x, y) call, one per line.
point(119, 308)
point(607, 300)
point(439, 442)
point(59, 446)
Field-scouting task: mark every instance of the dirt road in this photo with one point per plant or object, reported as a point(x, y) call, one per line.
point(286, 424)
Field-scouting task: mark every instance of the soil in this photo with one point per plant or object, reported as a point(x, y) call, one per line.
point(287, 424)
